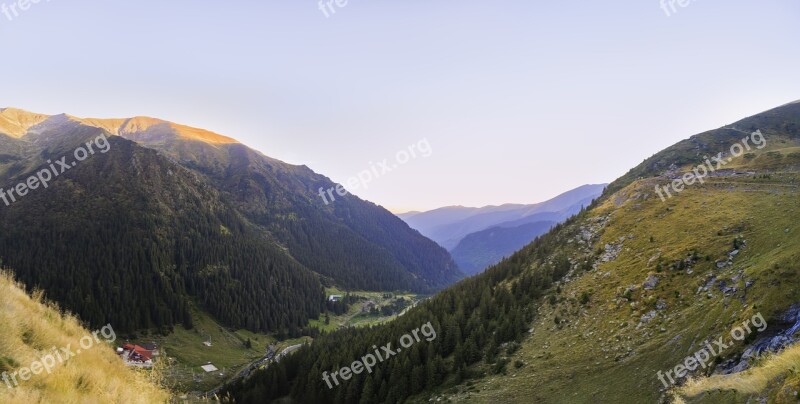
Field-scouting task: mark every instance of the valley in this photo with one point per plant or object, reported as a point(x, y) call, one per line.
point(400, 202)
point(608, 301)
point(478, 238)
point(237, 353)
point(627, 286)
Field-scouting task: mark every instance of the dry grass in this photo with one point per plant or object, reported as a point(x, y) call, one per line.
point(96, 375)
point(753, 381)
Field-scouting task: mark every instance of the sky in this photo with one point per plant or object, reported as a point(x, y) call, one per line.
point(513, 101)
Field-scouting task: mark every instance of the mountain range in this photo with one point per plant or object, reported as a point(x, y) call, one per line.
point(638, 298)
point(480, 237)
point(172, 215)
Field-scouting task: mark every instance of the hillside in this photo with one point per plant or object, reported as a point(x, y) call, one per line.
point(160, 214)
point(96, 375)
point(596, 308)
point(480, 250)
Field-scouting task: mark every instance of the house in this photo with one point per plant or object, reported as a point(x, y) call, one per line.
point(152, 347)
point(368, 306)
point(334, 298)
point(135, 355)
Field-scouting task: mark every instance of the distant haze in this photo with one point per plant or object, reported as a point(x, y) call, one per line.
point(449, 225)
point(519, 100)
point(480, 237)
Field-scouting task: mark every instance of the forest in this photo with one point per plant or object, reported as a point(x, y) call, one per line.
point(479, 319)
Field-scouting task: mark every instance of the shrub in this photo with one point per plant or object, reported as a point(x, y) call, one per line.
point(7, 364)
point(500, 367)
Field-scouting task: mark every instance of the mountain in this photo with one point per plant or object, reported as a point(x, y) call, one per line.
point(31, 326)
point(449, 225)
point(478, 238)
point(160, 216)
point(614, 304)
point(485, 248)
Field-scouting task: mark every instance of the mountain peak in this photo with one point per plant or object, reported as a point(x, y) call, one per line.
point(17, 122)
point(155, 129)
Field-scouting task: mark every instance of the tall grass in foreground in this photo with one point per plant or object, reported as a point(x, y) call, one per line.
point(752, 381)
point(29, 324)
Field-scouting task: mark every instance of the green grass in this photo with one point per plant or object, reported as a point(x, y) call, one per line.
point(228, 353)
point(586, 359)
point(188, 353)
point(354, 316)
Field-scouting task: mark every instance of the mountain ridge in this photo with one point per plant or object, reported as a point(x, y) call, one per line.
point(449, 225)
point(194, 201)
point(21, 121)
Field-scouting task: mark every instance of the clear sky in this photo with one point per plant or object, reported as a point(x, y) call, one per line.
point(519, 100)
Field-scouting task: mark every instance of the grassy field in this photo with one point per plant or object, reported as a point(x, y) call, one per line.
point(355, 317)
point(187, 352)
point(591, 337)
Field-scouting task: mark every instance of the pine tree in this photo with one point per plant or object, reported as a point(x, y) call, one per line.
point(368, 393)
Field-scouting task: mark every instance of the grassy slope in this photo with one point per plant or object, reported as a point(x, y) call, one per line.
point(96, 375)
point(187, 352)
point(598, 354)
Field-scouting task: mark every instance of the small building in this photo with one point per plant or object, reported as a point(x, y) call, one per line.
point(152, 347)
point(209, 368)
point(334, 298)
point(135, 355)
point(368, 306)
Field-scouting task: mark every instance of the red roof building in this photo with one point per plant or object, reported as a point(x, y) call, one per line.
point(137, 353)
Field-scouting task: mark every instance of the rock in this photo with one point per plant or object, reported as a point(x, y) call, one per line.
point(649, 316)
point(661, 304)
point(611, 252)
point(650, 283)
